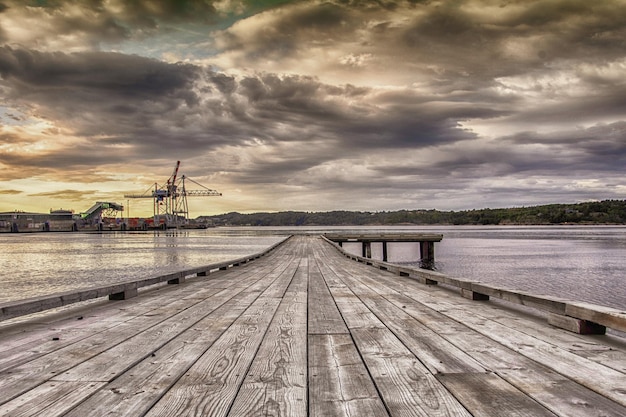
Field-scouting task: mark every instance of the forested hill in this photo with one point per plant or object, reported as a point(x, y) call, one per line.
point(600, 212)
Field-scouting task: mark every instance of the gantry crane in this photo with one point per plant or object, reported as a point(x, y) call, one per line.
point(170, 200)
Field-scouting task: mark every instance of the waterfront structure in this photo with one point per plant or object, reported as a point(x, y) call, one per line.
point(21, 221)
point(169, 200)
point(308, 330)
point(63, 220)
point(426, 241)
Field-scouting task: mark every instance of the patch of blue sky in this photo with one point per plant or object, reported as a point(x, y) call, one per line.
point(12, 117)
point(187, 41)
point(191, 40)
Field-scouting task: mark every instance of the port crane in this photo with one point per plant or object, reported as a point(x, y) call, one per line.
point(170, 199)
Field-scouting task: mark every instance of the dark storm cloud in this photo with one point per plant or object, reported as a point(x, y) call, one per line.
point(3, 35)
point(468, 51)
point(599, 148)
point(168, 10)
point(599, 99)
point(372, 121)
point(71, 158)
point(290, 30)
point(109, 73)
point(402, 100)
point(598, 151)
point(147, 104)
point(97, 93)
point(113, 21)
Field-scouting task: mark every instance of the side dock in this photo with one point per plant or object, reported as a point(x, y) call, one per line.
point(304, 330)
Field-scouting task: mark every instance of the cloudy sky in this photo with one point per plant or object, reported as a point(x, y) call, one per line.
point(313, 105)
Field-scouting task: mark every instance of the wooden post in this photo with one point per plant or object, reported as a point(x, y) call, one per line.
point(575, 325)
point(127, 291)
point(177, 280)
point(427, 255)
point(472, 295)
point(384, 251)
point(367, 249)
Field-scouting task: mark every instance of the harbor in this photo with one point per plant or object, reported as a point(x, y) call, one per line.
point(306, 328)
point(169, 205)
point(423, 212)
point(101, 217)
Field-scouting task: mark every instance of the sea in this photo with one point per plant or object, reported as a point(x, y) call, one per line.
point(582, 263)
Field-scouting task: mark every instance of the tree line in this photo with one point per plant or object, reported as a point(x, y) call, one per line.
point(597, 212)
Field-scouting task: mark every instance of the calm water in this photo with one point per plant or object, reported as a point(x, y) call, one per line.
point(33, 264)
point(575, 262)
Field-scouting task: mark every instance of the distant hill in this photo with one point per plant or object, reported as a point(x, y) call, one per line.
point(600, 212)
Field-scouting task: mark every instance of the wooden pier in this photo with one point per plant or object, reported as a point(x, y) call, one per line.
point(306, 331)
point(425, 240)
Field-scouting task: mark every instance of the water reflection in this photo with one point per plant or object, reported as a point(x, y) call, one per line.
point(44, 263)
point(579, 263)
point(582, 263)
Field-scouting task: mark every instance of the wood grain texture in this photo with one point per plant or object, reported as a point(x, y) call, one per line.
point(324, 317)
point(139, 388)
point(306, 331)
point(490, 395)
point(405, 384)
point(209, 387)
point(277, 379)
point(339, 382)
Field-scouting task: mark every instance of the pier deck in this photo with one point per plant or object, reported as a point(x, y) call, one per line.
point(304, 331)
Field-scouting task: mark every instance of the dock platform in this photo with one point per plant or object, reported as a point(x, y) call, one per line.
point(304, 331)
point(425, 240)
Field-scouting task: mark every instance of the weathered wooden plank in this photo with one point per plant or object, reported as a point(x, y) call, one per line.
point(28, 375)
point(405, 384)
point(436, 353)
point(209, 387)
point(48, 366)
point(595, 376)
point(324, 317)
point(560, 395)
point(45, 338)
point(339, 383)
point(134, 392)
point(141, 345)
point(300, 281)
point(20, 343)
point(357, 315)
point(520, 371)
point(118, 291)
point(486, 394)
point(609, 317)
point(545, 303)
point(276, 383)
point(492, 355)
point(403, 349)
point(575, 325)
point(606, 351)
point(279, 286)
point(50, 399)
point(384, 237)
point(354, 312)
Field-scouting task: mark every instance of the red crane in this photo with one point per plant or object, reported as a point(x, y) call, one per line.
point(170, 200)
